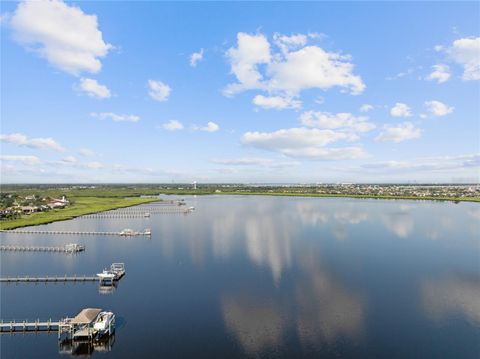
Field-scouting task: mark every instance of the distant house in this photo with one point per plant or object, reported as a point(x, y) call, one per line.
point(58, 203)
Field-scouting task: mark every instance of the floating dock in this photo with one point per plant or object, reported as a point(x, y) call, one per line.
point(107, 277)
point(125, 232)
point(68, 248)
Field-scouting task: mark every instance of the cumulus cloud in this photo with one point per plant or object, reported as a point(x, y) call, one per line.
point(93, 89)
point(41, 143)
point(303, 143)
point(313, 67)
point(210, 127)
point(64, 35)
point(26, 160)
point(399, 133)
point(276, 102)
point(440, 73)
point(366, 107)
point(437, 108)
point(327, 120)
point(400, 110)
point(115, 117)
point(173, 125)
point(296, 67)
point(158, 90)
point(287, 43)
point(196, 57)
point(251, 51)
point(466, 52)
point(86, 152)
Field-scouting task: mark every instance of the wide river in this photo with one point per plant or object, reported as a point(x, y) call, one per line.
point(264, 277)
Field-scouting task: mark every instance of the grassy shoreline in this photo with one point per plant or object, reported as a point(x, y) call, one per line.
point(81, 206)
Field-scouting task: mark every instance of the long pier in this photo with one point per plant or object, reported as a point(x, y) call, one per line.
point(26, 326)
point(114, 274)
point(51, 279)
point(68, 248)
point(157, 210)
point(118, 215)
point(126, 233)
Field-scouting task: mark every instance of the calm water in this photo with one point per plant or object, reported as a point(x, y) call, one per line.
point(267, 277)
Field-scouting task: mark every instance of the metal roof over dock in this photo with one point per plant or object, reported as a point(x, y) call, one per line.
point(86, 316)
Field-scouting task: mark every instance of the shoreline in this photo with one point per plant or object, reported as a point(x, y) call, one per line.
point(50, 217)
point(360, 196)
point(42, 218)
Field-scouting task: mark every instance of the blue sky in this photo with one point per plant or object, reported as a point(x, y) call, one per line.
point(240, 92)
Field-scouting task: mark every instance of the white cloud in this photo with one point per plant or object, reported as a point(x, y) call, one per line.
point(26, 160)
point(327, 120)
point(196, 57)
point(313, 67)
point(399, 75)
point(115, 117)
point(67, 37)
point(254, 161)
point(287, 43)
point(69, 159)
point(399, 133)
point(400, 110)
point(251, 51)
point(366, 107)
point(435, 163)
point(86, 152)
point(304, 143)
point(437, 108)
point(210, 127)
point(440, 73)
point(158, 90)
point(93, 89)
point(327, 154)
point(22, 140)
point(295, 68)
point(276, 102)
point(466, 52)
point(173, 125)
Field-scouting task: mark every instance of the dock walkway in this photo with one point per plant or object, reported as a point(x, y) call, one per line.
point(108, 277)
point(92, 233)
point(68, 248)
point(26, 326)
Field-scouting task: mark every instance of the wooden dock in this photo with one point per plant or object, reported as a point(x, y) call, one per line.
point(68, 248)
point(27, 326)
point(128, 233)
point(116, 272)
point(51, 279)
point(138, 214)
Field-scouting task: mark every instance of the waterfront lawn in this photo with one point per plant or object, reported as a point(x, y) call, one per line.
point(79, 206)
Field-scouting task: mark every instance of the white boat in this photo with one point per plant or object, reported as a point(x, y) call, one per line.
point(128, 232)
point(104, 324)
point(106, 275)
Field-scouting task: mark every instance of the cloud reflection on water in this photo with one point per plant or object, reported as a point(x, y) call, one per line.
point(450, 296)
